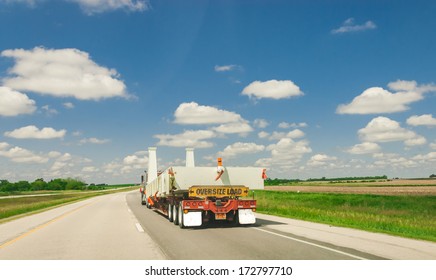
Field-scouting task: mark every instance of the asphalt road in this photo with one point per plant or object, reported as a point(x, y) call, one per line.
point(118, 227)
point(100, 228)
point(224, 242)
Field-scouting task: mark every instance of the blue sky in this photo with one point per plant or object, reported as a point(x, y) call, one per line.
point(302, 88)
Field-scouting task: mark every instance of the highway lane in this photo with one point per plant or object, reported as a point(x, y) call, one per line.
point(100, 228)
point(118, 227)
point(224, 242)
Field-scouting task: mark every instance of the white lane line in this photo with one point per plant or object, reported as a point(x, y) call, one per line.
point(139, 228)
point(313, 244)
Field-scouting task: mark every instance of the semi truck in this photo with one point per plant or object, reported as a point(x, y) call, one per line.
point(191, 196)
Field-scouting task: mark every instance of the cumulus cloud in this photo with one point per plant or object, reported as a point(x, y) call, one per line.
point(32, 132)
point(286, 125)
point(14, 103)
point(68, 105)
point(377, 100)
point(189, 138)
point(99, 6)
point(286, 153)
point(364, 148)
point(241, 128)
point(193, 113)
point(91, 7)
point(272, 89)
point(382, 129)
point(62, 73)
point(321, 160)
point(239, 148)
point(427, 120)
point(226, 68)
point(20, 155)
point(349, 26)
point(260, 123)
point(296, 133)
point(94, 140)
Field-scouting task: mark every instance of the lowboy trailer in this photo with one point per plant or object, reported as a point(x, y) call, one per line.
point(191, 196)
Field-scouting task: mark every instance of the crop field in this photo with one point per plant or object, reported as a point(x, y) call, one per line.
point(406, 208)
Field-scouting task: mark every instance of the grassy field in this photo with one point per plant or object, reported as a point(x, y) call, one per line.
point(407, 216)
point(14, 207)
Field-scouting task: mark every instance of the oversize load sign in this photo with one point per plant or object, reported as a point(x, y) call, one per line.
point(217, 191)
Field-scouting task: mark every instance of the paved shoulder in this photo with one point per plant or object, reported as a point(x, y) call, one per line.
point(383, 245)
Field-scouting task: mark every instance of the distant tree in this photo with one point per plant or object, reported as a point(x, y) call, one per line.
point(5, 186)
point(38, 185)
point(22, 186)
point(433, 176)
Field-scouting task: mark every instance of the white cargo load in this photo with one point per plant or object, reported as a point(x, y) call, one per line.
point(186, 177)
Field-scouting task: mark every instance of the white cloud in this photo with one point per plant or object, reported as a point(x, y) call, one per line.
point(321, 160)
point(225, 68)
point(286, 125)
point(32, 132)
point(20, 155)
point(377, 100)
point(94, 140)
point(382, 129)
point(189, 138)
point(296, 133)
point(49, 111)
point(427, 120)
point(286, 153)
point(68, 105)
point(14, 103)
point(263, 134)
point(239, 148)
point(30, 3)
point(99, 6)
point(349, 26)
point(417, 141)
point(62, 73)
point(242, 128)
point(260, 123)
point(192, 113)
point(272, 89)
point(430, 157)
point(90, 169)
point(433, 145)
point(364, 148)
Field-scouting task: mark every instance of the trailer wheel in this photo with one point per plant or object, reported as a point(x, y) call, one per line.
point(170, 212)
point(142, 199)
point(175, 215)
point(181, 216)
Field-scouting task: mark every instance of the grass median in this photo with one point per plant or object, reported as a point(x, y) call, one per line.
point(406, 216)
point(18, 206)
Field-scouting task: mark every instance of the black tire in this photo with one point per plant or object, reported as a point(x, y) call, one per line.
point(170, 212)
point(180, 216)
point(142, 199)
point(175, 215)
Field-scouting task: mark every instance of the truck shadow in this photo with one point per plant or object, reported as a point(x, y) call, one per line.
point(225, 224)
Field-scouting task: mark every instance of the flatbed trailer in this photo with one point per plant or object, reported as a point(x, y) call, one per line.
point(192, 196)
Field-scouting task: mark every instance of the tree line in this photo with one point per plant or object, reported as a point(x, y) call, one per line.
point(52, 185)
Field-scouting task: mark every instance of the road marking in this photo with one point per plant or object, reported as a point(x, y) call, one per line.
point(313, 244)
point(42, 226)
point(139, 228)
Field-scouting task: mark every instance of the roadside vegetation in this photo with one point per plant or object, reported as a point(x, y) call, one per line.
point(40, 195)
point(406, 216)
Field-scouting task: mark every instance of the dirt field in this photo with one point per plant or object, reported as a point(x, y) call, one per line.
point(396, 187)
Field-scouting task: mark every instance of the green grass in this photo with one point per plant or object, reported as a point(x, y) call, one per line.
point(406, 216)
point(13, 207)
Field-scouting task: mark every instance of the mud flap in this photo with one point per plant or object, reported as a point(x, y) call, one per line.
point(246, 217)
point(192, 219)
